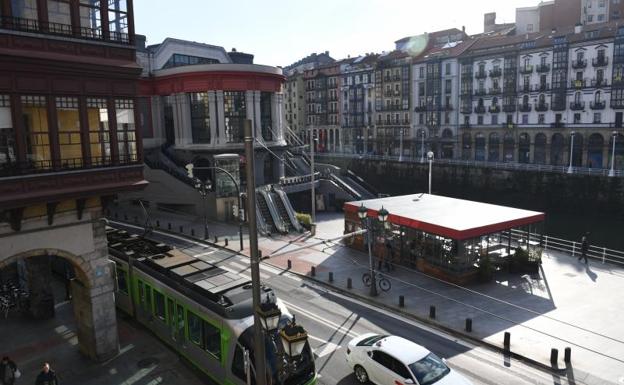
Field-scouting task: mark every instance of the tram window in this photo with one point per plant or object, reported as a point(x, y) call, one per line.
point(122, 281)
point(148, 298)
point(141, 293)
point(171, 313)
point(212, 340)
point(181, 322)
point(159, 305)
point(195, 328)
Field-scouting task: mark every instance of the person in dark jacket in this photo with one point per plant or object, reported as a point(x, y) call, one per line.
point(7, 371)
point(46, 376)
point(584, 247)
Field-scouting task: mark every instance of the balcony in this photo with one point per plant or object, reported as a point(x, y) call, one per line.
point(480, 75)
point(494, 109)
point(618, 81)
point(509, 108)
point(31, 184)
point(480, 93)
point(422, 107)
point(447, 107)
point(496, 73)
point(465, 125)
point(465, 91)
point(599, 105)
point(495, 91)
point(578, 84)
point(508, 125)
point(466, 110)
point(577, 106)
point(525, 107)
point(526, 70)
point(600, 61)
point(557, 125)
point(599, 83)
point(541, 107)
point(541, 68)
point(480, 109)
point(579, 64)
point(524, 88)
point(396, 78)
point(542, 87)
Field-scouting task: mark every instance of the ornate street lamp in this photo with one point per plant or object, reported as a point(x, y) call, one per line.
point(294, 338)
point(270, 315)
point(430, 158)
point(382, 215)
point(570, 170)
point(363, 214)
point(612, 170)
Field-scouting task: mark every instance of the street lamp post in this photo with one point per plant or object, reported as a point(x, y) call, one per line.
point(401, 146)
point(312, 145)
point(430, 158)
point(422, 146)
point(570, 170)
point(259, 346)
point(612, 170)
point(363, 214)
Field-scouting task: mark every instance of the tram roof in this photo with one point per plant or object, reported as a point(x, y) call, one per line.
point(449, 217)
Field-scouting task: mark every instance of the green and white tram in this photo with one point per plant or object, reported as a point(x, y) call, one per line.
point(203, 312)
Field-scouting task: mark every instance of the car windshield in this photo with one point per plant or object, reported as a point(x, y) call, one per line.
point(370, 340)
point(429, 370)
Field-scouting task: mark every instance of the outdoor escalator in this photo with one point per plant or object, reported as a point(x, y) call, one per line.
point(266, 213)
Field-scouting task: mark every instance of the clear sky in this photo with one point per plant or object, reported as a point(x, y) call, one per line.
point(280, 32)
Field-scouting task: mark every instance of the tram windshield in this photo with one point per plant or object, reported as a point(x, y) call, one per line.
point(294, 372)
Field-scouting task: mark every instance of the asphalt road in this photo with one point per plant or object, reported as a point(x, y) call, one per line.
point(332, 319)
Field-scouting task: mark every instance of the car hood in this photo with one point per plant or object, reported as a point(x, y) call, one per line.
point(453, 378)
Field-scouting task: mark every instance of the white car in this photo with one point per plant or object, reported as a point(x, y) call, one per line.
point(392, 360)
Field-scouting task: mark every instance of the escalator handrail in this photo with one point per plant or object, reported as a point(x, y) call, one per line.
point(289, 209)
point(279, 224)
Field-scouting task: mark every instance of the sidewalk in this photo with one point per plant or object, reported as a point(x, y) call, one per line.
point(572, 305)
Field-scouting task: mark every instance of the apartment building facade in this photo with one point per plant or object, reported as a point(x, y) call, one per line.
point(322, 85)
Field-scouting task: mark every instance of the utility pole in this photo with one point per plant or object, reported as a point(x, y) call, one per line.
point(259, 351)
point(312, 145)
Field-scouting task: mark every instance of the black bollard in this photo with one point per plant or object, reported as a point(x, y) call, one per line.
point(331, 277)
point(226, 242)
point(506, 341)
point(567, 355)
point(432, 311)
point(192, 232)
point(116, 215)
point(157, 223)
point(169, 226)
point(289, 264)
point(216, 239)
point(181, 229)
point(401, 301)
point(468, 325)
point(125, 217)
point(349, 283)
point(554, 356)
point(313, 271)
point(259, 254)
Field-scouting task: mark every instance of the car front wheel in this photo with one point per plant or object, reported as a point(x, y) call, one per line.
point(360, 374)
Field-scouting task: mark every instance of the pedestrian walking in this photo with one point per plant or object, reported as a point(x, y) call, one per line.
point(584, 247)
point(8, 371)
point(389, 256)
point(47, 376)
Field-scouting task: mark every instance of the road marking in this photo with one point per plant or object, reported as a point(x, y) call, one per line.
point(238, 266)
point(204, 254)
point(319, 319)
point(327, 349)
point(271, 270)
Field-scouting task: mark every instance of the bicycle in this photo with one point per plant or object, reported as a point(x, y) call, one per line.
point(383, 282)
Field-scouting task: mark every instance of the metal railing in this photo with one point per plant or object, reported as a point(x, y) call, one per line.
point(600, 253)
point(484, 164)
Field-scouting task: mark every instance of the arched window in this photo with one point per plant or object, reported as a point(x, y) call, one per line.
point(577, 97)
